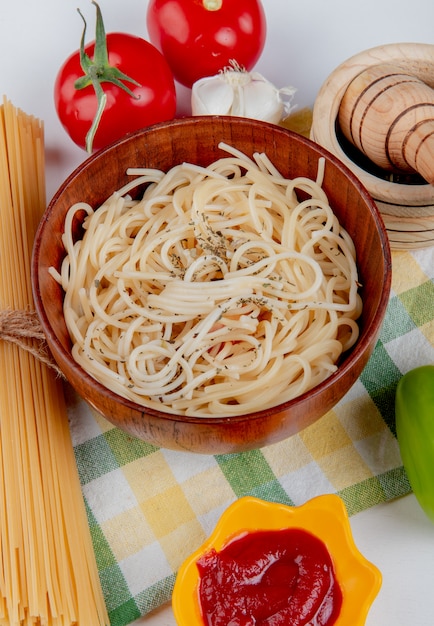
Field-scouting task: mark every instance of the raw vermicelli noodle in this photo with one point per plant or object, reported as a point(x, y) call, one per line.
point(48, 569)
point(218, 292)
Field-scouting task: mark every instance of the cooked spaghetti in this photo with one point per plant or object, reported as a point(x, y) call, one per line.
point(217, 293)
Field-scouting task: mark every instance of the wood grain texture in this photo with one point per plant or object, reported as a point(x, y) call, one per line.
point(409, 201)
point(388, 114)
point(196, 140)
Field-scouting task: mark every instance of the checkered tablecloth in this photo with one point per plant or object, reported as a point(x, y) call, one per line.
point(149, 508)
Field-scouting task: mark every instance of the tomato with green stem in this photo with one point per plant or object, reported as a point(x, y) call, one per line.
point(201, 37)
point(112, 86)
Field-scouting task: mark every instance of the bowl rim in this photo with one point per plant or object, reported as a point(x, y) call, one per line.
point(361, 346)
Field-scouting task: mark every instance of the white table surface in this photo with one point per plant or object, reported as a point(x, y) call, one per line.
point(306, 41)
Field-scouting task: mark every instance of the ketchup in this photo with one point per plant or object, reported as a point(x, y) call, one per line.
point(269, 578)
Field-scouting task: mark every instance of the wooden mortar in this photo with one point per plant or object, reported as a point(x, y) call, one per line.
point(388, 114)
point(406, 203)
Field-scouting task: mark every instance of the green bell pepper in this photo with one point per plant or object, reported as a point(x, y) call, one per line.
point(414, 411)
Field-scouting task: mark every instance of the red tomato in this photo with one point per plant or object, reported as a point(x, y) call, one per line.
point(152, 99)
point(200, 37)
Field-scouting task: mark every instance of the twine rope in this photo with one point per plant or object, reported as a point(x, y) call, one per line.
point(23, 329)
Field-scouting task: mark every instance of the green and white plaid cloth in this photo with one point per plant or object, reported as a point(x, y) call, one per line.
point(149, 508)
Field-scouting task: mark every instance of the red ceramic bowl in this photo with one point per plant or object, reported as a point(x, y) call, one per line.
point(196, 140)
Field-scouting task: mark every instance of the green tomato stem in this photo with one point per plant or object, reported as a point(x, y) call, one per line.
point(97, 71)
point(102, 99)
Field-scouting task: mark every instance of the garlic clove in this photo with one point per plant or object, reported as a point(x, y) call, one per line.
point(237, 92)
point(263, 101)
point(212, 96)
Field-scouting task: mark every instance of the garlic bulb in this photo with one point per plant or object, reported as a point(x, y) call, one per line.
point(234, 91)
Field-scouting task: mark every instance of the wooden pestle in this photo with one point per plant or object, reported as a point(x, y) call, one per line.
point(388, 114)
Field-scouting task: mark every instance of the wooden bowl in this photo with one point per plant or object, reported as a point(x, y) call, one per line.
point(407, 205)
point(196, 140)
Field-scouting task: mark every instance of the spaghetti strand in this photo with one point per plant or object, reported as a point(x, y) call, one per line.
point(48, 572)
point(216, 293)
